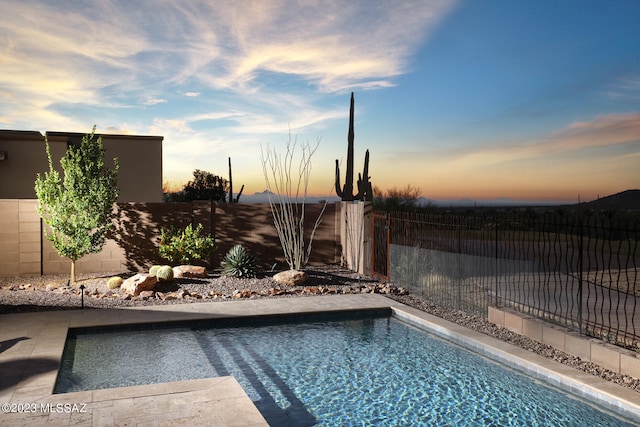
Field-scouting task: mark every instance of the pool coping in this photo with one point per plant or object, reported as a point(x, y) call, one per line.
point(30, 365)
point(604, 394)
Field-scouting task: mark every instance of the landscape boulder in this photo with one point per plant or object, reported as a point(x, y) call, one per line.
point(182, 271)
point(291, 277)
point(139, 283)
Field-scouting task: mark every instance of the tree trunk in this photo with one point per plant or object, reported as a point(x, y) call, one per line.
point(73, 272)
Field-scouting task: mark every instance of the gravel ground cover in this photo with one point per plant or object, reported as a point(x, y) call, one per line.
point(53, 292)
point(41, 293)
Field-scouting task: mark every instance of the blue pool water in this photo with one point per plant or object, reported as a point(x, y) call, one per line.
point(362, 372)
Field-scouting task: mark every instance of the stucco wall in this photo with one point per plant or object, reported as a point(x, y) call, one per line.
point(26, 157)
point(356, 235)
point(140, 158)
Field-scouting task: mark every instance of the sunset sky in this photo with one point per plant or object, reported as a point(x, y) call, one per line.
point(529, 100)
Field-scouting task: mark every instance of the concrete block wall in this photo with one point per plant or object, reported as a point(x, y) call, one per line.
point(9, 237)
point(24, 249)
point(132, 242)
point(614, 358)
point(19, 237)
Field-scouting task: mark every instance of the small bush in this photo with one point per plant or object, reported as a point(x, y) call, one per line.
point(154, 269)
point(238, 262)
point(183, 246)
point(164, 273)
point(114, 282)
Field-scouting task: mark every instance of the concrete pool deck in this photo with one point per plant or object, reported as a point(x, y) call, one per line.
point(31, 346)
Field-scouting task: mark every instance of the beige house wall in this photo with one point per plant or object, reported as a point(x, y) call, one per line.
point(132, 243)
point(25, 158)
point(140, 158)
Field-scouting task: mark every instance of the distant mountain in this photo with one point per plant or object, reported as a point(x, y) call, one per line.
point(629, 199)
point(470, 203)
point(263, 197)
point(625, 200)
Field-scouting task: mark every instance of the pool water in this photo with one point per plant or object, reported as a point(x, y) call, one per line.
point(371, 371)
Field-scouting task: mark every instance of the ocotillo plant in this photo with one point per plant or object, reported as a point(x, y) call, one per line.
point(364, 186)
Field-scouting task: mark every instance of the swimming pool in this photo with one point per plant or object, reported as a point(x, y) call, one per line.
point(370, 370)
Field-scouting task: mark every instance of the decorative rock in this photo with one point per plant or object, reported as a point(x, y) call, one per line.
point(139, 283)
point(170, 296)
point(146, 294)
point(291, 277)
point(189, 271)
point(246, 293)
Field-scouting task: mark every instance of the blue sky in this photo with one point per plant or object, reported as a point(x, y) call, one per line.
point(462, 99)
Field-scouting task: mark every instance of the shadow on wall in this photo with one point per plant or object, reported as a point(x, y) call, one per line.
point(137, 230)
point(252, 226)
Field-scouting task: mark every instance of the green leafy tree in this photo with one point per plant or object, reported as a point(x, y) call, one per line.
point(79, 207)
point(206, 186)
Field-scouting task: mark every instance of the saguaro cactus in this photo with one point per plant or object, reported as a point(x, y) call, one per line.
point(231, 199)
point(364, 186)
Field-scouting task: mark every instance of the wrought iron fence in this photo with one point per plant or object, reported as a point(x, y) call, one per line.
point(575, 269)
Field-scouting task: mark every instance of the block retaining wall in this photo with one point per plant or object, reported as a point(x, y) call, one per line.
point(609, 356)
point(132, 243)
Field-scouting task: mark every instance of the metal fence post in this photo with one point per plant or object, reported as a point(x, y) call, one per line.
point(459, 262)
point(580, 266)
point(497, 276)
point(388, 227)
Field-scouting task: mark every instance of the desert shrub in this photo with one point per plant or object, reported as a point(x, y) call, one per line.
point(185, 245)
point(114, 282)
point(154, 269)
point(238, 262)
point(165, 273)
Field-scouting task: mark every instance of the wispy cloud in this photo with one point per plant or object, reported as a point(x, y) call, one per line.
point(130, 48)
point(608, 135)
point(626, 88)
point(335, 45)
point(152, 100)
point(562, 167)
point(602, 131)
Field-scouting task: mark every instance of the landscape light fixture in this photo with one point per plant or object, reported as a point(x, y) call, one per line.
point(3, 155)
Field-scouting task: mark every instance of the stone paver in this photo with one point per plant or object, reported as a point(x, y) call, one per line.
point(32, 346)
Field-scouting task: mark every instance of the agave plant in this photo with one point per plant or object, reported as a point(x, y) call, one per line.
point(238, 262)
